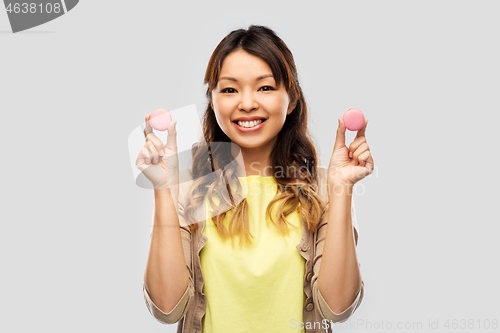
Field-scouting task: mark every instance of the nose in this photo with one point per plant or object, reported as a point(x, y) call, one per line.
point(247, 102)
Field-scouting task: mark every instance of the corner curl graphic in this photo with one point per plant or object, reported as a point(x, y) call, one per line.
point(27, 14)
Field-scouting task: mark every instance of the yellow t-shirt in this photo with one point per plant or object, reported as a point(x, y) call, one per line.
point(257, 287)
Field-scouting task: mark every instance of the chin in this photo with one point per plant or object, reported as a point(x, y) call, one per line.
point(247, 145)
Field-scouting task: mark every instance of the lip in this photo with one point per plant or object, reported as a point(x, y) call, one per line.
point(252, 129)
point(249, 118)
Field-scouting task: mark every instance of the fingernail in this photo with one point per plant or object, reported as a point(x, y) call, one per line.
point(162, 152)
point(350, 154)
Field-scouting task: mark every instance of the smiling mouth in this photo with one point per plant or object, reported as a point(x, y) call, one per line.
point(249, 124)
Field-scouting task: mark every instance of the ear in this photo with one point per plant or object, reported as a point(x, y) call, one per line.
point(291, 107)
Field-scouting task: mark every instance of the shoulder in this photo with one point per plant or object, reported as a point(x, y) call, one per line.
point(321, 185)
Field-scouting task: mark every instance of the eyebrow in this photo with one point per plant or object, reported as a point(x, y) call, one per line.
point(257, 79)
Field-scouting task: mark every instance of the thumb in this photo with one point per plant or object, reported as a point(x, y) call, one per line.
point(172, 136)
point(340, 139)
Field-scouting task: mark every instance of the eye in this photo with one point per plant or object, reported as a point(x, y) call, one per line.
point(266, 88)
point(228, 90)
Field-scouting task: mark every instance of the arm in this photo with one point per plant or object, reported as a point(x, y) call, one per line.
point(337, 287)
point(168, 288)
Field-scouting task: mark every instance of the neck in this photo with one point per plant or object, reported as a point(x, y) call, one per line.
point(257, 160)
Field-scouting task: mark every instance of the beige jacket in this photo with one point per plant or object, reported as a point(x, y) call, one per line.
point(191, 307)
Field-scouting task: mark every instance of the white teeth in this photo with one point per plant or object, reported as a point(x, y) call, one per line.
point(249, 124)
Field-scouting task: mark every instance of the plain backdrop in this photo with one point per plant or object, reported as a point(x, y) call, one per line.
point(75, 227)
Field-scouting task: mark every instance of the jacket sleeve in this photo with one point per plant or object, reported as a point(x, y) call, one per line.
point(177, 312)
point(186, 300)
point(319, 301)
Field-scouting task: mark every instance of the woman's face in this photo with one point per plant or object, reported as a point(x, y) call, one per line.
point(249, 107)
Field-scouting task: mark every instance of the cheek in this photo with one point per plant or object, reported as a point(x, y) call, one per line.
point(227, 103)
point(221, 104)
point(219, 118)
point(223, 109)
point(281, 102)
point(281, 106)
point(223, 120)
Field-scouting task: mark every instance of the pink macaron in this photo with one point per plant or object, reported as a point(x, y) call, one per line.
point(354, 119)
point(160, 119)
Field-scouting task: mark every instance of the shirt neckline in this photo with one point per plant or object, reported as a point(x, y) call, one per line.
point(257, 178)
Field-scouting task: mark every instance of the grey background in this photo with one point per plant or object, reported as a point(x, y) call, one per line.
point(75, 228)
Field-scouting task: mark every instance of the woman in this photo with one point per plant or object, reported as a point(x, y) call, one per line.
point(295, 265)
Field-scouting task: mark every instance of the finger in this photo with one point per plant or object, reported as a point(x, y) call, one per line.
point(146, 155)
point(362, 158)
point(355, 144)
point(340, 139)
point(151, 137)
point(361, 132)
point(154, 152)
point(172, 136)
point(360, 150)
point(147, 128)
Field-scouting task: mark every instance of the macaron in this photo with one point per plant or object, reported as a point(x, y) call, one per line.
point(354, 119)
point(160, 119)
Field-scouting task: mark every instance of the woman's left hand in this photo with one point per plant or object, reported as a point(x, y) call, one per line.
point(350, 165)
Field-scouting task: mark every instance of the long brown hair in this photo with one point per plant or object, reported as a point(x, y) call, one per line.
point(294, 149)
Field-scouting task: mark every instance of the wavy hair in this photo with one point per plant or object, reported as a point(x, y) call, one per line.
point(294, 149)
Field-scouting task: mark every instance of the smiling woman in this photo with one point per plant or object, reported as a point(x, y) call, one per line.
point(250, 107)
point(285, 269)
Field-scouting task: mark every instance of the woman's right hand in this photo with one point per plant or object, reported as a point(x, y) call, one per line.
point(159, 163)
